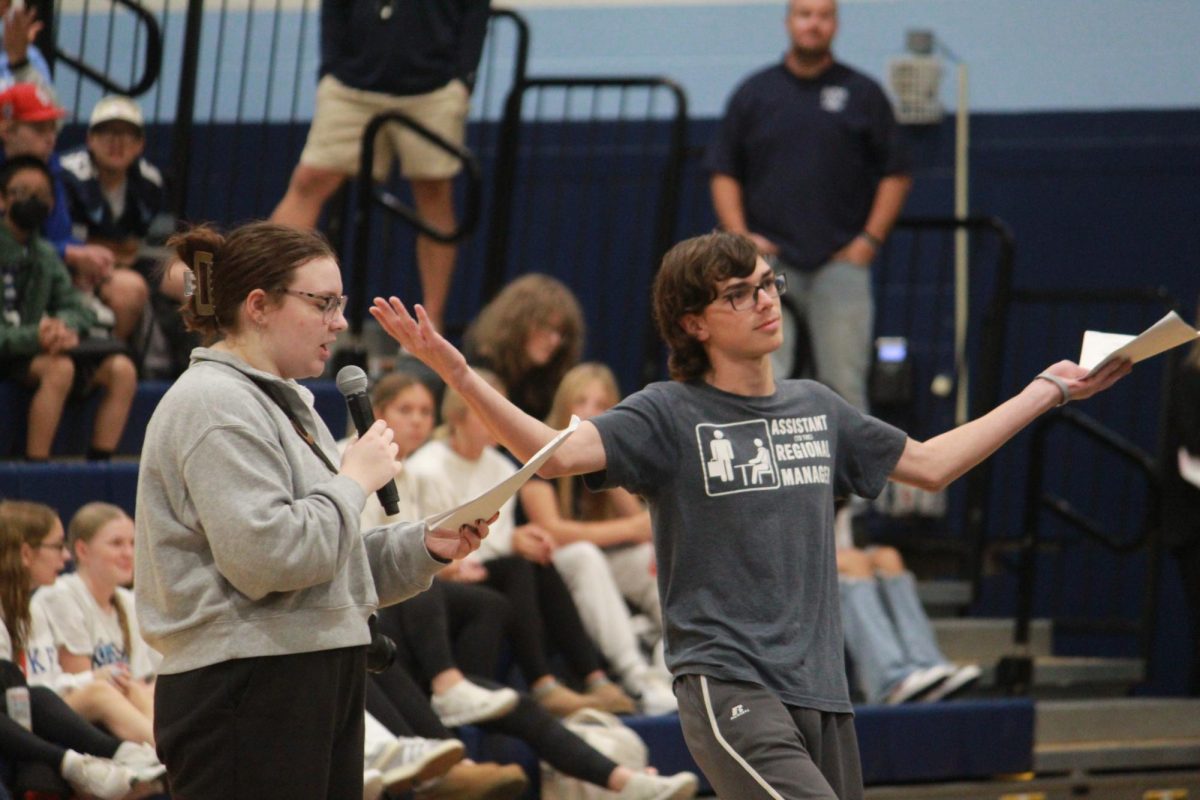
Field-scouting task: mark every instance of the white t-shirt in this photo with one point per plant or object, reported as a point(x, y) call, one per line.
point(40, 659)
point(462, 480)
point(79, 624)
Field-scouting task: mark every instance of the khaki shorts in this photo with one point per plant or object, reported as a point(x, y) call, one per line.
point(342, 115)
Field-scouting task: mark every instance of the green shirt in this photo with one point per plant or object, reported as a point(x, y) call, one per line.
point(43, 289)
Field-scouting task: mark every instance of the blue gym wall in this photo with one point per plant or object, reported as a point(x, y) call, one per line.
point(1085, 135)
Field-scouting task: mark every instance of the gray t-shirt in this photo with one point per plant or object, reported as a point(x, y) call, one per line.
point(741, 494)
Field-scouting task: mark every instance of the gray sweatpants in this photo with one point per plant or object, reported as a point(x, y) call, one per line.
point(750, 745)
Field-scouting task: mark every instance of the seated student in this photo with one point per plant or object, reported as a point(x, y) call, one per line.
point(888, 637)
point(29, 121)
point(117, 199)
point(115, 195)
point(95, 695)
point(406, 404)
point(464, 463)
point(90, 611)
point(32, 552)
point(530, 335)
point(43, 319)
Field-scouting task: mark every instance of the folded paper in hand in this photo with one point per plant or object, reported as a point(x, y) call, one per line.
point(488, 503)
point(1100, 348)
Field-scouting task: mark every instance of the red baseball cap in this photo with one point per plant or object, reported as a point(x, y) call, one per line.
point(28, 102)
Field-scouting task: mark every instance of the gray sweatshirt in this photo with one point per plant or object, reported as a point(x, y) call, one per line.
point(246, 544)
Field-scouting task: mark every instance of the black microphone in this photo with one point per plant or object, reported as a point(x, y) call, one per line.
point(352, 383)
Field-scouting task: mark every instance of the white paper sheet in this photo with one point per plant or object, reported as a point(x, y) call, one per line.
point(1100, 348)
point(488, 503)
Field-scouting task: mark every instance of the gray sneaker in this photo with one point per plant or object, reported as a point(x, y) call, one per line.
point(100, 777)
point(643, 786)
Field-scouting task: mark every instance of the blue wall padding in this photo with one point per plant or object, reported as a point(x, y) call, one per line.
point(945, 741)
point(75, 430)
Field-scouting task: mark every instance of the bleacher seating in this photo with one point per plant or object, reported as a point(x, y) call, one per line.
point(76, 426)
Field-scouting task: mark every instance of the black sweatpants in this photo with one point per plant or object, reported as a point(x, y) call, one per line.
point(288, 727)
point(752, 746)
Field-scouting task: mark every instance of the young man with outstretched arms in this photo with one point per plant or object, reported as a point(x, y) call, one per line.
point(740, 472)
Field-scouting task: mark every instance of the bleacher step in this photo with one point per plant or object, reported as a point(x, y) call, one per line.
point(1125, 718)
point(1111, 756)
point(1164, 785)
point(1075, 677)
point(944, 597)
point(1121, 733)
point(985, 640)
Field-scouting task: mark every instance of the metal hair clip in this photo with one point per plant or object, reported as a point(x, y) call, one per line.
point(202, 301)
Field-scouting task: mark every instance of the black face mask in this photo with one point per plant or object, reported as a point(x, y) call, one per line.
point(29, 214)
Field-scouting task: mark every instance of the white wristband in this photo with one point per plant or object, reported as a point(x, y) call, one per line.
point(1061, 384)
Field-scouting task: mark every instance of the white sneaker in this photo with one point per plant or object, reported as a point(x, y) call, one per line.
point(961, 679)
point(643, 786)
point(466, 703)
point(917, 683)
point(141, 759)
point(105, 779)
point(411, 759)
point(654, 694)
point(372, 784)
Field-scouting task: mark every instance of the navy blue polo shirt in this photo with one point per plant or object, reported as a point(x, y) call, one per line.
point(809, 154)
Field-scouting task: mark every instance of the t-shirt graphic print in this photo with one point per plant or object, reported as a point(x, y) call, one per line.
point(737, 457)
point(756, 455)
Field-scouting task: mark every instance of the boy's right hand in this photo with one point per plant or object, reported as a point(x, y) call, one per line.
point(420, 338)
point(370, 461)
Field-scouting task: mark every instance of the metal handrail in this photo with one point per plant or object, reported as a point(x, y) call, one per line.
point(153, 65)
point(370, 195)
point(506, 164)
point(521, 62)
point(1038, 499)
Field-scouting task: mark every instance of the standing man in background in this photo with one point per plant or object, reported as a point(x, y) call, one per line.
point(808, 164)
point(411, 56)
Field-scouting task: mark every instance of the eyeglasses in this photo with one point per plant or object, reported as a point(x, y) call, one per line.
point(62, 546)
point(330, 304)
point(745, 295)
point(123, 135)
